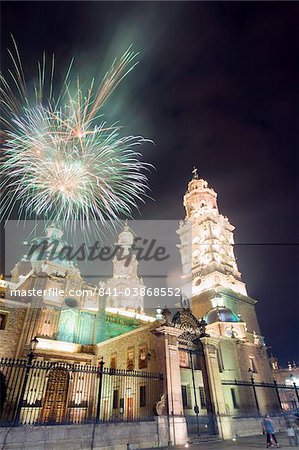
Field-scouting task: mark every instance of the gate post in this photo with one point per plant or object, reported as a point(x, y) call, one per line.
point(277, 393)
point(168, 342)
point(296, 391)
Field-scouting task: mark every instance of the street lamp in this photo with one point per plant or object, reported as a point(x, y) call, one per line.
point(250, 371)
point(100, 375)
point(33, 345)
point(31, 354)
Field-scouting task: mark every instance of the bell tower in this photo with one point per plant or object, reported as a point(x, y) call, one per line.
point(125, 288)
point(209, 264)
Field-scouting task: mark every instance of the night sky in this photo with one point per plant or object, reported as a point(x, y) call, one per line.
point(215, 88)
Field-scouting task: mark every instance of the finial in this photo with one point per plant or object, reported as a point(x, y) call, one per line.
point(194, 173)
point(159, 315)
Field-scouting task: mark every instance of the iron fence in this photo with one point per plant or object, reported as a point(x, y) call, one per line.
point(42, 392)
point(254, 398)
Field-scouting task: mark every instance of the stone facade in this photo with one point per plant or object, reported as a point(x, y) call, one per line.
point(13, 316)
point(135, 350)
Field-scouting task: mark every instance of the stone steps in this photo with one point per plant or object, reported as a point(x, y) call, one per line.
point(205, 438)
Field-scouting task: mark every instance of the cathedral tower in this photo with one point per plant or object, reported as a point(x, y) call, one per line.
point(210, 270)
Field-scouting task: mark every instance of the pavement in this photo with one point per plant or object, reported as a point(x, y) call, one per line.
point(244, 443)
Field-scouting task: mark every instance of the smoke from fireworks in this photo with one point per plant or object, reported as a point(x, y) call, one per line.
point(61, 160)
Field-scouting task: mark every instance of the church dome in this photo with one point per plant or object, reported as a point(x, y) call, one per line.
point(221, 314)
point(71, 302)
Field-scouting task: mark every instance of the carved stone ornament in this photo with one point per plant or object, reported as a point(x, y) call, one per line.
point(161, 406)
point(172, 340)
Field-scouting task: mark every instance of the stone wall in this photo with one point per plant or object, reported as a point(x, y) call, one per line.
point(11, 334)
point(107, 436)
point(246, 426)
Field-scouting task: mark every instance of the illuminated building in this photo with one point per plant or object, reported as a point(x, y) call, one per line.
point(211, 341)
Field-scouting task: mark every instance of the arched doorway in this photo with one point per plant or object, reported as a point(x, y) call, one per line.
point(55, 402)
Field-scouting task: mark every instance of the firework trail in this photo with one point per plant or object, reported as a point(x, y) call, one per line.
point(61, 160)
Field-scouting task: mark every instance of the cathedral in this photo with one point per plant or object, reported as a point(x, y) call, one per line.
point(208, 352)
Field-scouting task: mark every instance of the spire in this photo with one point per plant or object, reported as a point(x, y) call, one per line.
point(126, 238)
point(199, 198)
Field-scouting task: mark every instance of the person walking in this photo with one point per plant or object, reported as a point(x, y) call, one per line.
point(268, 429)
point(291, 435)
point(295, 426)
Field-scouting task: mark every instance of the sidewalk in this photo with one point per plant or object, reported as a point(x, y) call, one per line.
point(244, 443)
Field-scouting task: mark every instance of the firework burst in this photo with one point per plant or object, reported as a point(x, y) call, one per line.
point(61, 160)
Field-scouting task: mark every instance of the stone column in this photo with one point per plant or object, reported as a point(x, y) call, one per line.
point(216, 389)
point(167, 344)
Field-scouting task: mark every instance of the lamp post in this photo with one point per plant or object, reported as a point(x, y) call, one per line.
point(101, 367)
point(196, 408)
point(250, 371)
point(31, 354)
point(295, 386)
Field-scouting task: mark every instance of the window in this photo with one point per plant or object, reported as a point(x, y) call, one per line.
point(131, 358)
point(3, 320)
point(113, 362)
point(219, 359)
point(234, 399)
point(202, 396)
point(142, 396)
point(252, 364)
point(115, 399)
point(184, 359)
point(196, 361)
point(142, 359)
point(185, 397)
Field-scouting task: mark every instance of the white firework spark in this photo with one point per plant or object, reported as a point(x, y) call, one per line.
point(61, 160)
